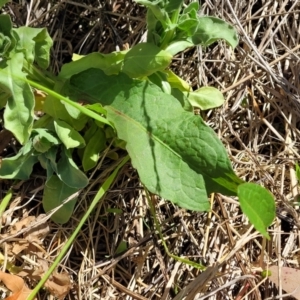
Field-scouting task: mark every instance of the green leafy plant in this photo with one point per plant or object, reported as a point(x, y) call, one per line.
point(127, 100)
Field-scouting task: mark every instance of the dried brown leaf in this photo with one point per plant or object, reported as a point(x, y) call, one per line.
point(290, 279)
point(16, 285)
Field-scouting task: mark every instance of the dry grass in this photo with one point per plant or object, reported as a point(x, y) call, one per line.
point(259, 125)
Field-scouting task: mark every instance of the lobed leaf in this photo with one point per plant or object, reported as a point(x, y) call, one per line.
point(177, 156)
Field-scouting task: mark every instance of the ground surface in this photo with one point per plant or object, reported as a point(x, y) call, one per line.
point(259, 125)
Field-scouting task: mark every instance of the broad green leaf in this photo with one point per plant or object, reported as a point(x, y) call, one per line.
point(19, 110)
point(2, 2)
point(178, 46)
point(43, 140)
point(35, 43)
point(68, 135)
point(211, 29)
point(92, 150)
point(205, 98)
point(43, 44)
point(145, 59)
point(55, 193)
point(19, 166)
point(258, 205)
point(69, 173)
point(176, 154)
point(172, 85)
point(7, 40)
point(179, 95)
point(109, 63)
point(5, 25)
point(298, 172)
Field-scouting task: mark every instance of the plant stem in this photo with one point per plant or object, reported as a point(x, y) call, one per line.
point(158, 228)
point(106, 185)
point(81, 108)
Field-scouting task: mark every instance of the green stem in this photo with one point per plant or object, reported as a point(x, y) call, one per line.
point(106, 185)
point(39, 76)
point(169, 37)
point(158, 228)
point(81, 108)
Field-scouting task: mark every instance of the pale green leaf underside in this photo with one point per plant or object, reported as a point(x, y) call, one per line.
point(177, 156)
point(206, 97)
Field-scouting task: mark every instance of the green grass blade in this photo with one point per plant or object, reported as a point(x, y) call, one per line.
point(106, 185)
